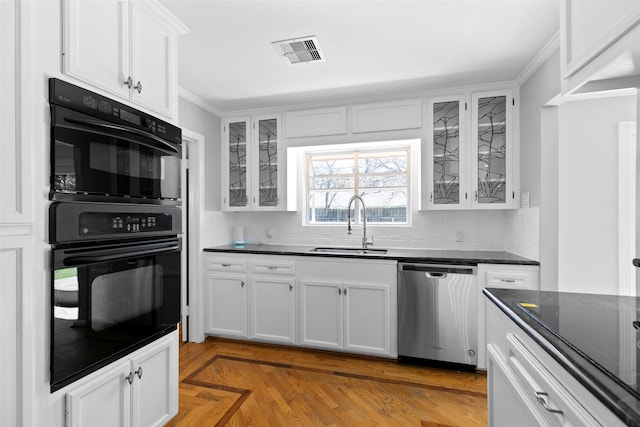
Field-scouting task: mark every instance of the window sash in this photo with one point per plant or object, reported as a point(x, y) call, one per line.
point(354, 184)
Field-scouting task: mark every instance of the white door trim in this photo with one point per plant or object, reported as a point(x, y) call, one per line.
point(626, 207)
point(194, 201)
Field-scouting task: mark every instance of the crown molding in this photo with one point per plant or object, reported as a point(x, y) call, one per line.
point(552, 45)
point(188, 96)
point(382, 97)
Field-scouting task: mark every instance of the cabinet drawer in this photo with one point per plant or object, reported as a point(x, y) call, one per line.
point(225, 264)
point(509, 279)
point(553, 401)
point(273, 267)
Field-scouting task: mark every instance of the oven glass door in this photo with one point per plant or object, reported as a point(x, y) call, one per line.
point(92, 158)
point(109, 301)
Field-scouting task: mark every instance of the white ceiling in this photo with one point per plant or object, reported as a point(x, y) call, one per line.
point(372, 46)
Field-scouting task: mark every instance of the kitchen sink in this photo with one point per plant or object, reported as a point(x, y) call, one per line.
point(329, 250)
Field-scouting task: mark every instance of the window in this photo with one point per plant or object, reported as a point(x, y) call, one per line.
point(380, 177)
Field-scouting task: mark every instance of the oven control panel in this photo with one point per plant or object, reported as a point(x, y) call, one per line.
point(101, 223)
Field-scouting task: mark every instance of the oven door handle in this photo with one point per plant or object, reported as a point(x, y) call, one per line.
point(92, 259)
point(122, 128)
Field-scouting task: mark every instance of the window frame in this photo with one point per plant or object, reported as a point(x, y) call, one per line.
point(355, 152)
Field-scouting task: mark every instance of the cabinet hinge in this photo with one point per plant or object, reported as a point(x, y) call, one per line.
point(67, 403)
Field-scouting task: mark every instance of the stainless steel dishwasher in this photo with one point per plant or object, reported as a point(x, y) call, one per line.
point(437, 313)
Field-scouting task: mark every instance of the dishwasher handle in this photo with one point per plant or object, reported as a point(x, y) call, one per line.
point(435, 274)
point(438, 271)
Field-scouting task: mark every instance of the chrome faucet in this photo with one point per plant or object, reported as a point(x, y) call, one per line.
point(365, 242)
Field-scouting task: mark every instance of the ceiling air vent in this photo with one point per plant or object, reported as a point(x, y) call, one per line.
point(300, 50)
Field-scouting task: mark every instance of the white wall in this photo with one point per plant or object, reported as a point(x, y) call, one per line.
point(587, 187)
point(515, 231)
point(537, 91)
point(549, 199)
point(198, 120)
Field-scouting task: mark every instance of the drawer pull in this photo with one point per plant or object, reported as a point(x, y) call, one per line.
point(272, 267)
point(226, 265)
point(540, 397)
point(508, 280)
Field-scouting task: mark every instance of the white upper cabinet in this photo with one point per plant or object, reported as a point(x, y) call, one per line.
point(252, 160)
point(492, 172)
point(600, 44)
point(469, 152)
point(125, 47)
point(446, 154)
point(385, 116)
point(317, 122)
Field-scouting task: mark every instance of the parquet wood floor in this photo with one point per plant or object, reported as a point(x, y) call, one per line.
point(237, 383)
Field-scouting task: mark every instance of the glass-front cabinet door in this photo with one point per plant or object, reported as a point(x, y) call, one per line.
point(236, 158)
point(267, 176)
point(252, 152)
point(492, 150)
point(446, 153)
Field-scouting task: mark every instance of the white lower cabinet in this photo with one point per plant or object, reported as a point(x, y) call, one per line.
point(330, 303)
point(272, 309)
point(321, 319)
point(503, 276)
point(348, 306)
point(346, 316)
point(226, 303)
point(139, 391)
point(526, 386)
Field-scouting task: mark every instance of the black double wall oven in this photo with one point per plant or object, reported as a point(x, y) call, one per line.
point(114, 228)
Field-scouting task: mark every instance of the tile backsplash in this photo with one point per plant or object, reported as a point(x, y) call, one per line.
point(515, 231)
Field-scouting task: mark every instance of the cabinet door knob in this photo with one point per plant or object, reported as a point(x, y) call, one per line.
point(129, 82)
point(242, 284)
point(139, 372)
point(431, 196)
point(339, 291)
point(291, 288)
point(129, 378)
point(475, 196)
point(138, 87)
point(345, 291)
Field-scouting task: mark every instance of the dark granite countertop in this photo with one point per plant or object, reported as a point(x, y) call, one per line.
point(403, 255)
point(592, 336)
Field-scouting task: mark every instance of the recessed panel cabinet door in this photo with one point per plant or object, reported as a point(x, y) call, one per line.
point(96, 43)
point(152, 69)
point(227, 304)
point(321, 314)
point(155, 386)
point(102, 402)
point(367, 311)
point(273, 309)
